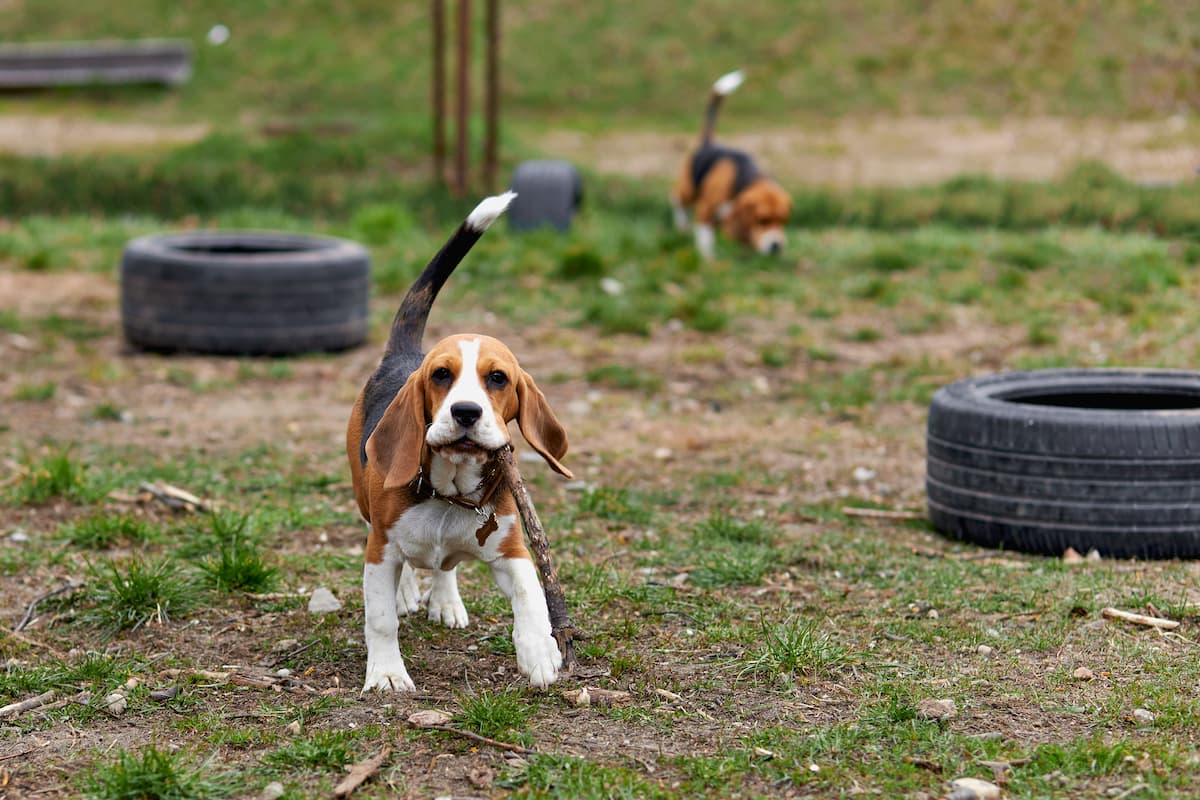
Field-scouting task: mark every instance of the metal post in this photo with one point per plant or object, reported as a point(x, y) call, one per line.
point(491, 108)
point(464, 96)
point(438, 15)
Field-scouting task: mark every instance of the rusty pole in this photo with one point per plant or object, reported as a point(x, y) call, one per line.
point(492, 96)
point(438, 15)
point(464, 96)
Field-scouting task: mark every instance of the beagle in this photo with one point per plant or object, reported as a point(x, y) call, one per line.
point(421, 443)
point(725, 186)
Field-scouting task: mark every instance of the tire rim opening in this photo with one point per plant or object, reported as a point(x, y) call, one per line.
point(1110, 400)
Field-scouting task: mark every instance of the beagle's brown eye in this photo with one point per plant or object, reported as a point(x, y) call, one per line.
point(442, 375)
point(497, 379)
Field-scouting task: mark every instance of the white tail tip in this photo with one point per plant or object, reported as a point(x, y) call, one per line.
point(488, 211)
point(728, 83)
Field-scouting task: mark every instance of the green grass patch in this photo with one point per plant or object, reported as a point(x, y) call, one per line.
point(153, 774)
point(125, 595)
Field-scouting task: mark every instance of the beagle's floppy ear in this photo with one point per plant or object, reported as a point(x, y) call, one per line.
point(539, 426)
point(396, 448)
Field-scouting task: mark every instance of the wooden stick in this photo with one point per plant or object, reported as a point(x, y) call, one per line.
point(25, 620)
point(561, 627)
point(475, 737)
point(881, 513)
point(1140, 619)
point(360, 772)
point(15, 709)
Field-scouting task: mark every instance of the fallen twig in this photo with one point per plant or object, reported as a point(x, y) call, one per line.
point(25, 620)
point(361, 772)
point(16, 709)
point(563, 630)
point(881, 513)
point(174, 497)
point(512, 748)
point(1140, 619)
point(295, 652)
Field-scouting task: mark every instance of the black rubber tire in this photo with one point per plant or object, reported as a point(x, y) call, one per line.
point(549, 193)
point(244, 293)
point(1039, 461)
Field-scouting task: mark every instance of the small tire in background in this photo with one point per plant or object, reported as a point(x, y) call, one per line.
point(1043, 460)
point(549, 193)
point(43, 64)
point(244, 293)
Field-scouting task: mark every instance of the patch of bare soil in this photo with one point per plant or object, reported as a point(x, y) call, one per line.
point(30, 135)
point(721, 411)
point(909, 150)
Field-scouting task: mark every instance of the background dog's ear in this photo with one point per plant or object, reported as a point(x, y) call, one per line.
point(396, 448)
point(539, 426)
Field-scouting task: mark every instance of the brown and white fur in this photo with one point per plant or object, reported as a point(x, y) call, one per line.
point(421, 441)
point(723, 186)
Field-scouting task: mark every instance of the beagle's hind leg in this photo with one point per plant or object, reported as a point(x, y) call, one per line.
point(443, 603)
point(408, 591)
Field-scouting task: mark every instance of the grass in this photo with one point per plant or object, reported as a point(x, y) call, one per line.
point(158, 774)
point(772, 645)
point(127, 595)
point(498, 715)
point(56, 474)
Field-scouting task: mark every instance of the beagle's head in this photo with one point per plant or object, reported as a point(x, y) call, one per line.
point(759, 215)
point(457, 405)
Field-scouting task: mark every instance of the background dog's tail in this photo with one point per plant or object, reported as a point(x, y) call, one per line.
point(409, 325)
point(724, 85)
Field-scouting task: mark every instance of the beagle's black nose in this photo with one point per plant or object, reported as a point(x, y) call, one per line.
point(466, 414)
point(775, 248)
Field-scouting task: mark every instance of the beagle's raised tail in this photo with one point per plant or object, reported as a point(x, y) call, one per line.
point(408, 326)
point(723, 86)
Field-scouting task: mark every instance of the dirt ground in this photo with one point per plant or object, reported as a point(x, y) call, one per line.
point(618, 439)
point(910, 150)
point(846, 152)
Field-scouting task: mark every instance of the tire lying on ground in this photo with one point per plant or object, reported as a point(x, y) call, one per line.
point(1043, 460)
point(244, 293)
point(548, 194)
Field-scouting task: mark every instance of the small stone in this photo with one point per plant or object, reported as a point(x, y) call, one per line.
point(18, 536)
point(984, 650)
point(937, 710)
point(293, 727)
point(322, 601)
point(1143, 716)
point(663, 454)
point(116, 703)
point(163, 695)
point(284, 645)
point(933, 613)
point(863, 474)
point(1083, 674)
point(272, 791)
point(1094, 555)
point(612, 287)
point(1071, 556)
point(973, 789)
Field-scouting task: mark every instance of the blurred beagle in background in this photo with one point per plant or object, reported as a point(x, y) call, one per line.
point(724, 186)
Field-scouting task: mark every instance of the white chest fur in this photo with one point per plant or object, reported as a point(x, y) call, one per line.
point(437, 535)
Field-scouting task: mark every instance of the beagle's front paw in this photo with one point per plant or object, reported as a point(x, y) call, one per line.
point(387, 677)
point(538, 659)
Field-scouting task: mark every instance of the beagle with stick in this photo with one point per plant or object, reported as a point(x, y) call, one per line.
point(421, 442)
point(724, 186)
